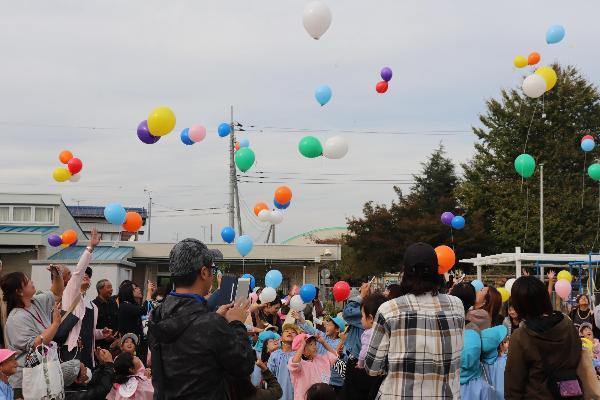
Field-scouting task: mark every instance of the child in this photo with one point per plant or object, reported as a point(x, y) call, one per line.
point(8, 367)
point(278, 361)
point(267, 343)
point(307, 367)
point(320, 391)
point(128, 382)
point(129, 343)
point(586, 331)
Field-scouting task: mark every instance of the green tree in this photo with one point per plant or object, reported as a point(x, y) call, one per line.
point(549, 129)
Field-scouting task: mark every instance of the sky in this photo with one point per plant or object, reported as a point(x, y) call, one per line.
point(82, 75)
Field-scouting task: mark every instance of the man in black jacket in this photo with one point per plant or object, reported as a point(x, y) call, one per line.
point(100, 384)
point(195, 353)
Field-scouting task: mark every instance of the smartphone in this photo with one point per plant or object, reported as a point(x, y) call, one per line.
point(243, 289)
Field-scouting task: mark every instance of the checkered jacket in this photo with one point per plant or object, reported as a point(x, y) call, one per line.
point(416, 343)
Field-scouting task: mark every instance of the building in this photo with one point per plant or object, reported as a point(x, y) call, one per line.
point(89, 217)
point(319, 235)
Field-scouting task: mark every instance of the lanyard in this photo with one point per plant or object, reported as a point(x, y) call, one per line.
point(38, 318)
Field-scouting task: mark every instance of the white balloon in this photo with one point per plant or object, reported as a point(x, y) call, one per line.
point(276, 217)
point(264, 215)
point(509, 284)
point(335, 147)
point(316, 19)
point(534, 86)
point(297, 304)
point(267, 295)
point(75, 178)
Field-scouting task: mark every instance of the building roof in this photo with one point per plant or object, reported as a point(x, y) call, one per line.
point(316, 232)
point(101, 253)
point(26, 229)
point(96, 211)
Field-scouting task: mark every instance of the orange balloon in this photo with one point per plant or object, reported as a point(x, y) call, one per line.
point(69, 236)
point(237, 146)
point(446, 258)
point(65, 156)
point(534, 58)
point(133, 222)
point(283, 195)
point(259, 207)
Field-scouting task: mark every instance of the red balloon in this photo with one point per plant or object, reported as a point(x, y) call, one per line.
point(381, 87)
point(341, 291)
point(74, 165)
point(587, 137)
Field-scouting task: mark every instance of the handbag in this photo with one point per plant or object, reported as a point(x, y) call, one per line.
point(42, 376)
point(67, 323)
point(564, 383)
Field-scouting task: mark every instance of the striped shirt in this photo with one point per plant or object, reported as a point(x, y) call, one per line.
point(416, 343)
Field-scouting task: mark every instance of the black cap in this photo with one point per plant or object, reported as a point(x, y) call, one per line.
point(421, 257)
point(88, 272)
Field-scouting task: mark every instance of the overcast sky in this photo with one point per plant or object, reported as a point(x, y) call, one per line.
point(82, 75)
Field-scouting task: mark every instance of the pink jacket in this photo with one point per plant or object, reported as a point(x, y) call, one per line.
point(144, 391)
point(306, 373)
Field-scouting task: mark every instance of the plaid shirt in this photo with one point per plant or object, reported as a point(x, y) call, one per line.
point(417, 343)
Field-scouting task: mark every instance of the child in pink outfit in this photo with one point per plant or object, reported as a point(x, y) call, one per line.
point(131, 382)
point(307, 367)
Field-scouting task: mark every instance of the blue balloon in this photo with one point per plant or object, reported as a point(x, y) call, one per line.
point(458, 222)
point(588, 145)
point(224, 129)
point(308, 292)
point(228, 234)
point(244, 245)
point(244, 142)
point(555, 34)
point(477, 284)
point(273, 279)
point(281, 206)
point(323, 94)
point(115, 213)
point(185, 137)
point(252, 280)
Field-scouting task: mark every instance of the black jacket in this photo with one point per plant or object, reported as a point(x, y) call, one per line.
point(195, 352)
point(98, 387)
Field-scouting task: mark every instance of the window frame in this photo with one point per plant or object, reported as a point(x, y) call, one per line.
point(31, 220)
point(31, 211)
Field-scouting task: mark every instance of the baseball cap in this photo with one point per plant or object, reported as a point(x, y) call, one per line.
point(5, 354)
point(293, 327)
point(421, 256)
point(263, 337)
point(131, 336)
point(298, 339)
point(339, 322)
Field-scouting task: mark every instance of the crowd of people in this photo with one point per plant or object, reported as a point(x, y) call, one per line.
point(421, 338)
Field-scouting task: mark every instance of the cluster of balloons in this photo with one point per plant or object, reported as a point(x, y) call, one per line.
point(192, 135)
point(161, 121)
point(244, 156)
point(336, 147)
point(563, 284)
point(71, 173)
point(130, 221)
point(273, 280)
point(587, 143)
point(228, 234)
point(446, 258)
point(525, 165)
point(323, 94)
point(316, 19)
point(532, 59)
point(243, 142)
point(264, 214)
point(244, 245)
point(455, 221)
point(341, 291)
point(555, 34)
point(386, 75)
point(307, 294)
point(538, 83)
point(68, 238)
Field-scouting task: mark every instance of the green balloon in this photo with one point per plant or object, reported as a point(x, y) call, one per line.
point(244, 158)
point(594, 171)
point(310, 147)
point(525, 165)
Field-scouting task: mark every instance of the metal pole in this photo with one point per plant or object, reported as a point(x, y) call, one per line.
point(231, 172)
point(211, 233)
point(273, 238)
point(149, 217)
point(237, 205)
point(542, 217)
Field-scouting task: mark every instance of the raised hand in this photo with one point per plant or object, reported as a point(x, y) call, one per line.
point(94, 238)
point(365, 290)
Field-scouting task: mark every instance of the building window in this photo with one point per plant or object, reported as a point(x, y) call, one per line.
point(44, 214)
point(4, 214)
point(22, 214)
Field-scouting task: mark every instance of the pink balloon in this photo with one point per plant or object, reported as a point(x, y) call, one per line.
point(197, 133)
point(563, 288)
point(253, 297)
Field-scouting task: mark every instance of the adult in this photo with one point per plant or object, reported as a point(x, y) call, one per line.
point(314, 311)
point(108, 311)
point(196, 353)
point(392, 291)
point(512, 320)
point(100, 383)
point(490, 300)
point(418, 337)
point(582, 313)
point(546, 344)
point(267, 314)
point(130, 316)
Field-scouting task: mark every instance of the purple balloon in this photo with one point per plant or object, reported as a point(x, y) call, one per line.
point(54, 240)
point(145, 135)
point(386, 74)
point(447, 218)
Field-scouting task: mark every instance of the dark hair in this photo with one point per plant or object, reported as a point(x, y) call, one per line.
point(309, 340)
point(277, 300)
point(10, 283)
point(186, 259)
point(394, 290)
point(241, 388)
point(123, 365)
point(418, 281)
point(186, 280)
point(466, 293)
point(320, 391)
point(89, 272)
point(264, 355)
point(101, 283)
point(579, 298)
point(125, 282)
point(371, 303)
point(126, 292)
point(530, 298)
point(493, 304)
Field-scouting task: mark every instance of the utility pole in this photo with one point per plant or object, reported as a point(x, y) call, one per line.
point(211, 233)
point(542, 217)
point(149, 211)
point(234, 196)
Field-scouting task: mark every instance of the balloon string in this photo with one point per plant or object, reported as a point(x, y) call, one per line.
point(583, 178)
point(452, 236)
point(243, 265)
point(529, 128)
point(526, 215)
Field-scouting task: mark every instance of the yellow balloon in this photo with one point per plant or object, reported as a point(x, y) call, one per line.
point(161, 121)
point(504, 293)
point(549, 76)
point(520, 62)
point(566, 275)
point(587, 343)
point(61, 174)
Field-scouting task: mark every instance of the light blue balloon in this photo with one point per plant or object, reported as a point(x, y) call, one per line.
point(458, 222)
point(224, 129)
point(477, 284)
point(244, 245)
point(308, 292)
point(115, 213)
point(323, 94)
point(555, 34)
point(185, 137)
point(252, 280)
point(244, 142)
point(273, 279)
point(588, 145)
